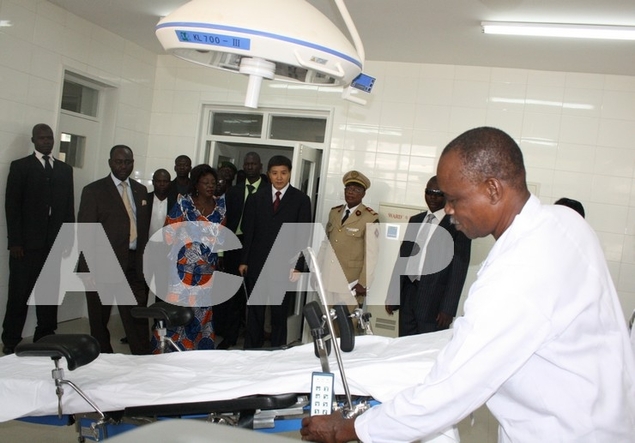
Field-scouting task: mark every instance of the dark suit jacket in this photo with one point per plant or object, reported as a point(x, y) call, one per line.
point(28, 222)
point(173, 194)
point(102, 203)
point(235, 203)
point(261, 225)
point(442, 288)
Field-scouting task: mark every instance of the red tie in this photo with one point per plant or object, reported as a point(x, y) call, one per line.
point(276, 202)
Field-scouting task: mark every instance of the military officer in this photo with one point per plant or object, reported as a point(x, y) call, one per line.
point(353, 233)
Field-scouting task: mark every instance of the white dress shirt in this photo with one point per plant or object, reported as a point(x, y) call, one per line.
point(414, 266)
point(40, 156)
point(159, 213)
point(282, 191)
point(543, 342)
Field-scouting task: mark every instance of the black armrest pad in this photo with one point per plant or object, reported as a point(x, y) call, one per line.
point(77, 349)
point(173, 315)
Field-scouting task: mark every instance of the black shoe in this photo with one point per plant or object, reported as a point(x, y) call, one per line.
point(6, 350)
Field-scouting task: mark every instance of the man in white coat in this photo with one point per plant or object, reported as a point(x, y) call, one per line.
point(543, 342)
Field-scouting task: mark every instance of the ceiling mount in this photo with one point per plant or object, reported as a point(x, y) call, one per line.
point(288, 40)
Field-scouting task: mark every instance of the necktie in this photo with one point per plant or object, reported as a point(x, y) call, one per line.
point(47, 165)
point(346, 214)
point(250, 190)
point(126, 203)
point(415, 264)
point(276, 202)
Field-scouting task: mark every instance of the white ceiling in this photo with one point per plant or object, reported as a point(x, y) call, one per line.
point(428, 31)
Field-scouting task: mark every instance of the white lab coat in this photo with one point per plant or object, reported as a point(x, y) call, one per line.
point(543, 342)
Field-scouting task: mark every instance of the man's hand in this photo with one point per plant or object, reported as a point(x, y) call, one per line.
point(359, 290)
point(242, 270)
point(294, 275)
point(328, 428)
point(16, 252)
point(444, 320)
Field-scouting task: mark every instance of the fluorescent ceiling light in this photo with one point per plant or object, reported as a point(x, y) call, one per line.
point(560, 30)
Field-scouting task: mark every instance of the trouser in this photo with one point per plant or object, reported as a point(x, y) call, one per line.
point(136, 329)
point(418, 310)
point(254, 334)
point(23, 273)
point(229, 315)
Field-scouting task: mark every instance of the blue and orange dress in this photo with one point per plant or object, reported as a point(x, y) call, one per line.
point(194, 239)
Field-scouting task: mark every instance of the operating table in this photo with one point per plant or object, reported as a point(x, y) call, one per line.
point(378, 367)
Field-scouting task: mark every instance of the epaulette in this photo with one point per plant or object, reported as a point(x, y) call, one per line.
point(337, 207)
point(371, 210)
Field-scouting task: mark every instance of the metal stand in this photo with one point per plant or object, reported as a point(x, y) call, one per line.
point(58, 376)
point(164, 340)
point(363, 320)
point(349, 410)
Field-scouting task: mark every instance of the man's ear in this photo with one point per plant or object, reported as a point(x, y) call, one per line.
point(494, 189)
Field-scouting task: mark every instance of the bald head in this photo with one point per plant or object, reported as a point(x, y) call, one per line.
point(42, 138)
point(489, 153)
point(482, 176)
point(40, 127)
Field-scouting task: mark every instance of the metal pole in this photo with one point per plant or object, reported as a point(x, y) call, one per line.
point(321, 293)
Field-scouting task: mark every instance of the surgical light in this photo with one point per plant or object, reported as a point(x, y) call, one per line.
point(288, 40)
point(560, 30)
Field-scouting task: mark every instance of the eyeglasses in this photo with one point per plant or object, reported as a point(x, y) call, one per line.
point(434, 192)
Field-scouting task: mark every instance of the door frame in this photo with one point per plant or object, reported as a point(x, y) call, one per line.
point(303, 153)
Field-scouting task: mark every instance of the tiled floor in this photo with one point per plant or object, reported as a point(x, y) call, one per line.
point(484, 429)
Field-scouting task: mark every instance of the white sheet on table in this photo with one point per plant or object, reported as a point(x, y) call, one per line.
point(378, 366)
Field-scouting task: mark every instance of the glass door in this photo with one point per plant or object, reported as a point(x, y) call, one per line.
point(306, 174)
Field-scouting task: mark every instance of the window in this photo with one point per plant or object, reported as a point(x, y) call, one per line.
point(79, 98)
point(237, 125)
point(304, 129)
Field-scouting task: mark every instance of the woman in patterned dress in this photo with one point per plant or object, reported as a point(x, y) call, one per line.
point(193, 228)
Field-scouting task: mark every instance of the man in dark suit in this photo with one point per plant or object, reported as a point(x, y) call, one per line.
point(159, 209)
point(265, 212)
point(431, 282)
point(229, 315)
point(120, 204)
point(158, 200)
point(181, 183)
point(39, 199)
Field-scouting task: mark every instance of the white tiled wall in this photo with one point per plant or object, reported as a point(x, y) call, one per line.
point(577, 133)
point(576, 130)
point(41, 42)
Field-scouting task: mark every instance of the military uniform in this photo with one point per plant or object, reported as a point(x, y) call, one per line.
point(349, 245)
point(354, 244)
